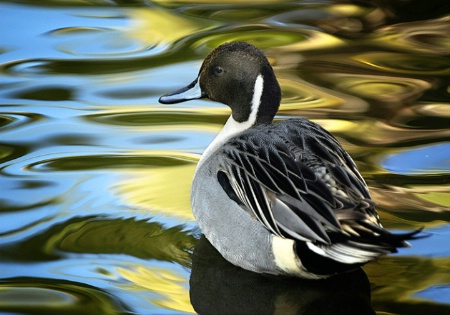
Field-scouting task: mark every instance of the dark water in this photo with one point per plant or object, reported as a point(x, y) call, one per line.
point(95, 174)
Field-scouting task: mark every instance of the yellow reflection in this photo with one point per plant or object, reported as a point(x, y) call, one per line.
point(300, 95)
point(347, 9)
point(436, 109)
point(153, 26)
point(380, 88)
point(172, 288)
point(439, 198)
point(263, 38)
point(273, 41)
point(164, 189)
point(337, 125)
point(314, 40)
point(165, 2)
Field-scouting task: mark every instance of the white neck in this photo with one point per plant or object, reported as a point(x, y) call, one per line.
point(232, 127)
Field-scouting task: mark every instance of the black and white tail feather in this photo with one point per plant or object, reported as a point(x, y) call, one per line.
point(297, 180)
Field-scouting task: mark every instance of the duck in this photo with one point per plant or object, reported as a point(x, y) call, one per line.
point(282, 198)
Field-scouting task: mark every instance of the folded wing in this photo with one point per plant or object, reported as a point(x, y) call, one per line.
point(300, 184)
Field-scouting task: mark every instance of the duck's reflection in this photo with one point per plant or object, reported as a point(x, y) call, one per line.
point(217, 287)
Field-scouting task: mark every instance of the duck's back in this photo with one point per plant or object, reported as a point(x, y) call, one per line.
point(298, 159)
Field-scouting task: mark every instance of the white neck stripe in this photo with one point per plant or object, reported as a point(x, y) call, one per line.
point(232, 127)
point(256, 100)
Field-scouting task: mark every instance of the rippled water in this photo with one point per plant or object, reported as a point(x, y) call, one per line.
point(95, 174)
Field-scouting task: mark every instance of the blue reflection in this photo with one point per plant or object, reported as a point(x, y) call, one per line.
point(421, 247)
point(35, 31)
point(433, 158)
point(440, 293)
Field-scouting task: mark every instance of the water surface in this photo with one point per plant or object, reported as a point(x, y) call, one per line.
point(95, 173)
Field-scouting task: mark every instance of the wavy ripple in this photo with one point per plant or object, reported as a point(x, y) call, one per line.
point(51, 296)
point(101, 162)
point(384, 89)
point(405, 63)
point(154, 118)
point(298, 95)
point(14, 120)
point(429, 36)
point(144, 239)
point(262, 36)
point(91, 42)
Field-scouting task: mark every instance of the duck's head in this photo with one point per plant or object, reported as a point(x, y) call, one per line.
point(239, 75)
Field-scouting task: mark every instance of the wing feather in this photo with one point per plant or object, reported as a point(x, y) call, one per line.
point(300, 227)
point(277, 174)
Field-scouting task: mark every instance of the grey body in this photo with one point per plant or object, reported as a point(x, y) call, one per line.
point(222, 221)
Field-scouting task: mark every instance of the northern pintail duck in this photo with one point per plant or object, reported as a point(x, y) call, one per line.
point(279, 198)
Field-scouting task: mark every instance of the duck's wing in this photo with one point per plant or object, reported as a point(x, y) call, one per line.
point(296, 179)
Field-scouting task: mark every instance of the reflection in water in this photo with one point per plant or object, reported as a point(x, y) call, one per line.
point(93, 235)
point(403, 63)
point(95, 174)
point(161, 200)
point(431, 159)
point(399, 278)
point(217, 287)
point(380, 88)
point(421, 36)
point(164, 287)
point(53, 296)
point(135, 238)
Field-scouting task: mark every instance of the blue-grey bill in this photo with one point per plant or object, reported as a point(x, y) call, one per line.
point(190, 92)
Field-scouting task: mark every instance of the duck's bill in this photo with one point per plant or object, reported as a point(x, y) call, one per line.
point(190, 92)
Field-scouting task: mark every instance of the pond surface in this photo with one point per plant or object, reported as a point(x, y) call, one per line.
point(95, 173)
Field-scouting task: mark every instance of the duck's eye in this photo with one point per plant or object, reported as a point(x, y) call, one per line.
point(218, 70)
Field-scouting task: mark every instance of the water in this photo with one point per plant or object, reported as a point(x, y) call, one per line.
point(95, 174)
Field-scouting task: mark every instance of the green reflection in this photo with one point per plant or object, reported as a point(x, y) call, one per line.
point(102, 162)
point(395, 281)
point(143, 239)
point(149, 240)
point(404, 63)
point(156, 118)
point(437, 198)
point(14, 120)
point(53, 296)
point(9, 152)
point(6, 120)
point(47, 93)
